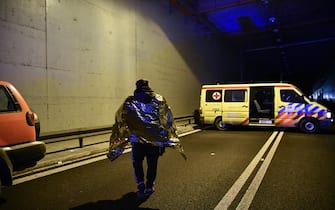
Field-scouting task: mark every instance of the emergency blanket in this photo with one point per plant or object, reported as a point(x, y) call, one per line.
point(151, 122)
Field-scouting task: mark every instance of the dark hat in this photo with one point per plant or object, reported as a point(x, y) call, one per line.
point(143, 85)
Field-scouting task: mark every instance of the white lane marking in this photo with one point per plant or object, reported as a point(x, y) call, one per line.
point(189, 132)
point(234, 190)
point(68, 166)
point(256, 182)
point(56, 170)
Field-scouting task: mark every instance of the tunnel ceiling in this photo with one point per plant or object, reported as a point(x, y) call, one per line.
point(286, 37)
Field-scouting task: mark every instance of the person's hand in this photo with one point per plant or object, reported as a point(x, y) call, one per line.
point(161, 151)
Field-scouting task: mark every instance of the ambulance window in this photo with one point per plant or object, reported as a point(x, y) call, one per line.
point(291, 96)
point(234, 96)
point(214, 96)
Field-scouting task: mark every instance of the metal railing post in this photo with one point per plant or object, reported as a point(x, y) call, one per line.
point(81, 145)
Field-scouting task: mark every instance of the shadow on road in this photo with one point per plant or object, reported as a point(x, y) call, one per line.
point(128, 201)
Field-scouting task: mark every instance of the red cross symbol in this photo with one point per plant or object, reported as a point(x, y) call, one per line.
point(216, 96)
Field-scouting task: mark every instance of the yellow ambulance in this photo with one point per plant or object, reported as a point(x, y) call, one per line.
point(261, 104)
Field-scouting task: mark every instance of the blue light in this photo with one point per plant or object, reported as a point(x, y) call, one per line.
point(227, 19)
point(272, 19)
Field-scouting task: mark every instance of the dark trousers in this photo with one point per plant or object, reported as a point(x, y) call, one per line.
point(139, 152)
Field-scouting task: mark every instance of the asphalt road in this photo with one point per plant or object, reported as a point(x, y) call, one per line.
point(300, 175)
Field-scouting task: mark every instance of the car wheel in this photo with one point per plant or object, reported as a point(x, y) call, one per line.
point(309, 125)
point(220, 125)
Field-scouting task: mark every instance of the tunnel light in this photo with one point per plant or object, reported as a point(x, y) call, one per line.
point(272, 19)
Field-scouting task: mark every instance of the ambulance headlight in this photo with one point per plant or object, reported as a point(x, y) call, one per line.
point(329, 115)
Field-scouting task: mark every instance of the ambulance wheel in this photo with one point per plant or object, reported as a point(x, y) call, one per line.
point(309, 125)
point(220, 125)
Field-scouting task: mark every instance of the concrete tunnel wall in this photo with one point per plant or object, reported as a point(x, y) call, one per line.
point(76, 61)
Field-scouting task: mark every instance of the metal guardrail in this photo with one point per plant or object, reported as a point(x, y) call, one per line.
point(189, 119)
point(80, 134)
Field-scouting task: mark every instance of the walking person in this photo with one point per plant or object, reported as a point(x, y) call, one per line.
point(141, 148)
point(146, 120)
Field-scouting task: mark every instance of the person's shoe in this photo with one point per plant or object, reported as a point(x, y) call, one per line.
point(140, 190)
point(149, 191)
point(140, 195)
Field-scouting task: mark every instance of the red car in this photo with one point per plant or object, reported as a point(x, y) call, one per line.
point(19, 129)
